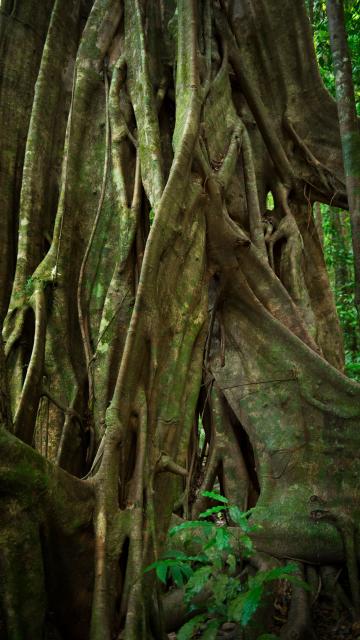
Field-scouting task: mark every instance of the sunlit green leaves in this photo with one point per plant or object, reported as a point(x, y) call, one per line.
point(213, 572)
point(212, 511)
point(215, 496)
point(178, 569)
point(211, 630)
point(187, 630)
point(242, 608)
point(190, 524)
point(197, 581)
point(322, 44)
point(339, 262)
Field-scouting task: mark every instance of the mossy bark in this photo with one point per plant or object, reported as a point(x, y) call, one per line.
point(142, 293)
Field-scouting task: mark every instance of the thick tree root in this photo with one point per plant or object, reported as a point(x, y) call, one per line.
point(48, 524)
point(158, 188)
point(299, 625)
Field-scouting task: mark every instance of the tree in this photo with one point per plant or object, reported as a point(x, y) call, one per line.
point(339, 261)
point(349, 128)
point(335, 223)
point(145, 284)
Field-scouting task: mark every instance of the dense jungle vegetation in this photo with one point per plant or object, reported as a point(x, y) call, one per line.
point(334, 222)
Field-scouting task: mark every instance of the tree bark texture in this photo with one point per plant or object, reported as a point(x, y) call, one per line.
point(146, 284)
point(349, 126)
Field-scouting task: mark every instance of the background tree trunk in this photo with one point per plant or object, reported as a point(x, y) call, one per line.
point(349, 127)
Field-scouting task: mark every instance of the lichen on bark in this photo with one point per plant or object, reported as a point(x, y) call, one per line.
point(151, 288)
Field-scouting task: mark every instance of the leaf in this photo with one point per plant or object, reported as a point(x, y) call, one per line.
point(242, 608)
point(268, 636)
point(250, 604)
point(222, 539)
point(197, 582)
point(177, 576)
point(217, 562)
point(211, 630)
point(298, 582)
point(172, 566)
point(236, 515)
point(187, 630)
point(186, 569)
point(150, 567)
point(277, 573)
point(219, 588)
point(241, 519)
point(210, 512)
point(215, 496)
point(161, 570)
point(231, 562)
point(247, 543)
point(200, 557)
point(233, 588)
point(281, 573)
point(179, 571)
point(235, 608)
point(210, 544)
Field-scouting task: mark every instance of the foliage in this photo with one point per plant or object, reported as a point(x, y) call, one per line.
point(339, 257)
point(322, 43)
point(338, 254)
point(217, 571)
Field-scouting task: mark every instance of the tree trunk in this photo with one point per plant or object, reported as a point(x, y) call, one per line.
point(142, 291)
point(349, 127)
point(318, 222)
point(342, 276)
point(342, 262)
point(311, 11)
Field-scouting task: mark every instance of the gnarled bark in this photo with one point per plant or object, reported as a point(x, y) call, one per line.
point(145, 293)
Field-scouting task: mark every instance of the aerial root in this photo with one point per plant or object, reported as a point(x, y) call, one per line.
point(325, 175)
point(299, 624)
point(81, 306)
point(333, 589)
point(15, 335)
point(346, 527)
point(23, 422)
point(166, 463)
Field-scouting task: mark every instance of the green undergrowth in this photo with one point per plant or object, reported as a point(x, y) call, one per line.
point(218, 571)
point(338, 256)
point(322, 44)
point(337, 250)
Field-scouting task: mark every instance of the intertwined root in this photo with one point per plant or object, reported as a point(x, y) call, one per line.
point(163, 142)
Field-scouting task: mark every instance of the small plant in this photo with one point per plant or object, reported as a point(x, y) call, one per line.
point(230, 597)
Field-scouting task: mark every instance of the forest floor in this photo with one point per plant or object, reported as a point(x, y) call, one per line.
point(329, 623)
